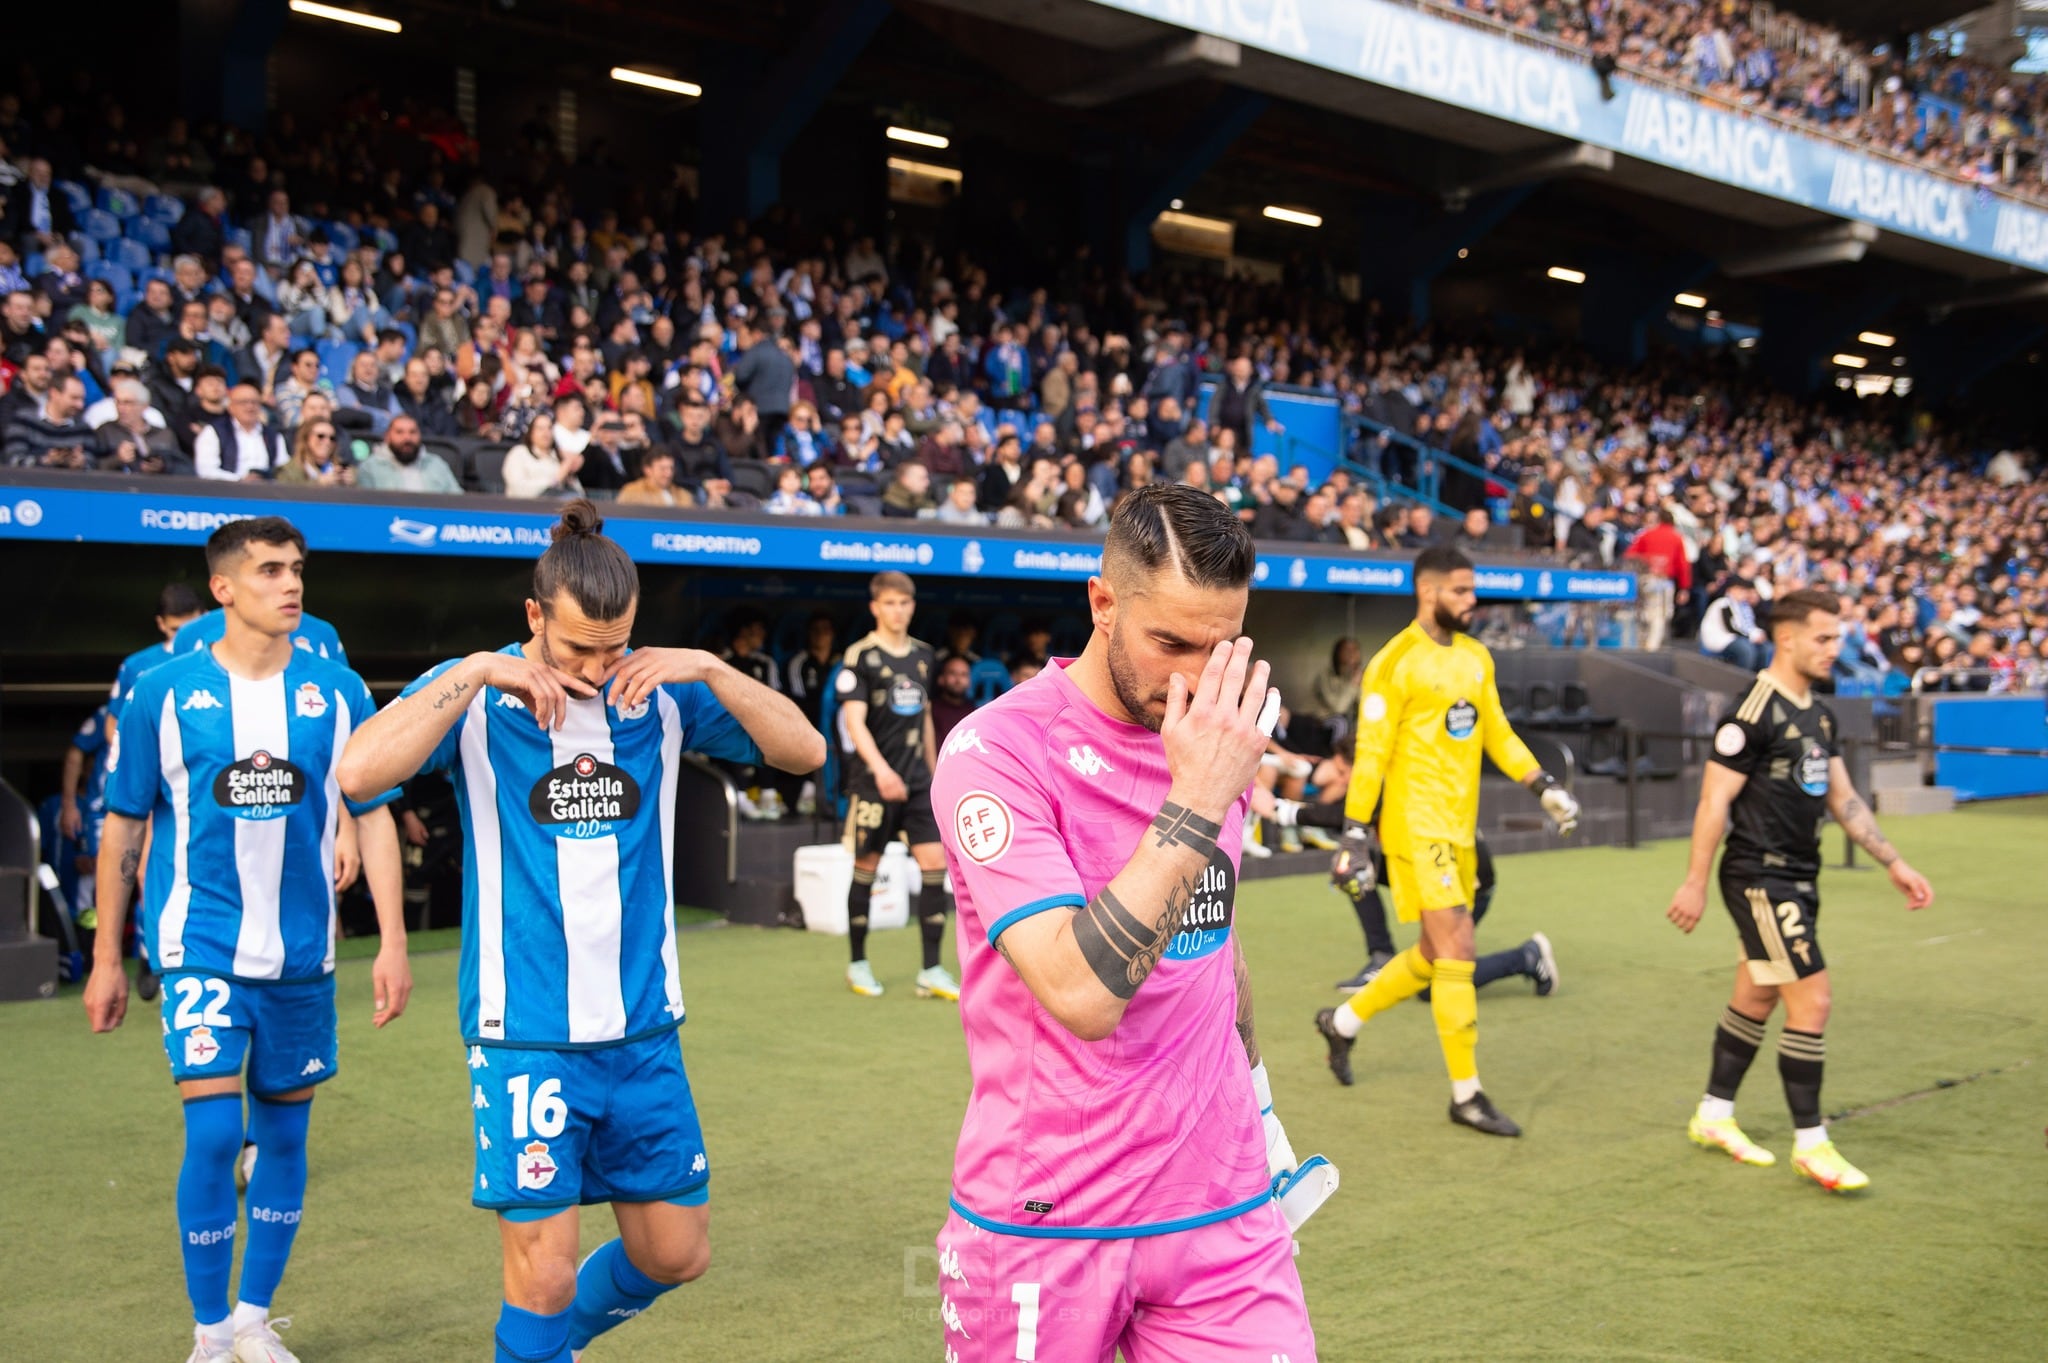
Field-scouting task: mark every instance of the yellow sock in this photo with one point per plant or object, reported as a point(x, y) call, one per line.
point(1455, 1004)
point(1401, 978)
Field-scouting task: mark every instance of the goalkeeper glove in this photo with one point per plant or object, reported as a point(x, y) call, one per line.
point(1558, 803)
point(1351, 865)
point(1300, 1187)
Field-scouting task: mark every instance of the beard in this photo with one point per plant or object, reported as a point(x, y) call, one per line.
point(1123, 678)
point(405, 456)
point(1450, 622)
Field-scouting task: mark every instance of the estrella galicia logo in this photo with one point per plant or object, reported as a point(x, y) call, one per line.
point(260, 786)
point(1813, 770)
point(584, 798)
point(1461, 719)
point(906, 697)
point(1206, 925)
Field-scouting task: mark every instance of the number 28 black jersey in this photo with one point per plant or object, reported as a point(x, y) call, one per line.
point(1784, 749)
point(896, 689)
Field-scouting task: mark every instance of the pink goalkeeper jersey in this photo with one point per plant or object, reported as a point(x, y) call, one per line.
point(1041, 799)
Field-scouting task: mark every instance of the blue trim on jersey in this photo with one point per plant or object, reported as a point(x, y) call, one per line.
point(314, 635)
point(1036, 906)
point(572, 1045)
point(1112, 1232)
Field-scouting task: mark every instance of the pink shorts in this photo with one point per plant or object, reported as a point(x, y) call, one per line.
point(1225, 1291)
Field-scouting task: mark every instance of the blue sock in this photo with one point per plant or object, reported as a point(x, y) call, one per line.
point(206, 1201)
point(277, 1194)
point(609, 1292)
point(524, 1337)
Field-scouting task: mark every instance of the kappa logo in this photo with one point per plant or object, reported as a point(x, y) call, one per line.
point(537, 1168)
point(200, 1047)
point(1087, 761)
point(483, 1141)
point(699, 1164)
point(309, 701)
point(962, 740)
point(313, 1066)
point(510, 702)
point(476, 1059)
point(950, 1314)
point(479, 1102)
point(949, 1266)
point(202, 700)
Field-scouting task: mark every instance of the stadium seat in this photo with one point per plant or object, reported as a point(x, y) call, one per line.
point(151, 233)
point(167, 209)
point(36, 264)
point(451, 455)
point(1511, 703)
point(130, 254)
point(335, 358)
point(99, 225)
point(861, 504)
point(465, 273)
point(75, 194)
point(156, 272)
point(88, 249)
point(118, 202)
point(386, 240)
point(1542, 704)
point(488, 461)
point(854, 483)
point(237, 236)
point(987, 679)
point(119, 278)
point(411, 334)
point(342, 235)
point(754, 478)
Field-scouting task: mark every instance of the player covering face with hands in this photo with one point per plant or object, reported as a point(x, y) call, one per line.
point(1116, 1178)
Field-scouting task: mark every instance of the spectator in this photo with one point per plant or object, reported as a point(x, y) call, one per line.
point(1334, 694)
point(656, 485)
point(952, 700)
point(766, 376)
point(150, 322)
point(130, 443)
point(316, 460)
point(301, 381)
point(242, 446)
point(367, 392)
point(535, 468)
point(1473, 530)
point(1239, 401)
point(31, 390)
point(1353, 525)
point(99, 312)
point(1729, 630)
point(418, 400)
point(35, 211)
point(960, 507)
point(909, 493)
point(250, 306)
point(802, 442)
point(1667, 580)
point(823, 489)
point(201, 232)
point(56, 438)
point(1418, 528)
point(789, 497)
point(605, 466)
point(701, 460)
point(265, 361)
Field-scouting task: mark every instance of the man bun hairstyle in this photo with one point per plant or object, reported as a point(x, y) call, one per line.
point(1794, 608)
point(587, 564)
point(232, 540)
point(1163, 525)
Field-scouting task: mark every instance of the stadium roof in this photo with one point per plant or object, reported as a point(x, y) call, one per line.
point(1882, 20)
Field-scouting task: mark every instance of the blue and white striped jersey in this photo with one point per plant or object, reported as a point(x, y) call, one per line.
point(313, 635)
point(568, 893)
point(237, 778)
point(132, 668)
point(91, 739)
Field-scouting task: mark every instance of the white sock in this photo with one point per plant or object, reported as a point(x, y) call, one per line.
point(1346, 1022)
point(220, 1332)
point(1464, 1089)
point(1807, 1137)
point(247, 1315)
point(1714, 1109)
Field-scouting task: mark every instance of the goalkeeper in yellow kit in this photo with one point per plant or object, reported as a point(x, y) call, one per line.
point(1427, 708)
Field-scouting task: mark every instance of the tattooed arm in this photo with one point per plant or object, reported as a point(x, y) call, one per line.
point(120, 862)
point(392, 745)
point(1086, 966)
point(1245, 1033)
point(1861, 825)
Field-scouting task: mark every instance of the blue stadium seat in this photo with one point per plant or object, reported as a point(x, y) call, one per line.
point(34, 265)
point(119, 202)
point(385, 239)
point(237, 236)
point(126, 299)
point(99, 225)
point(342, 235)
point(130, 253)
point(88, 249)
point(150, 233)
point(75, 194)
point(118, 277)
point(412, 336)
point(155, 272)
point(465, 273)
point(164, 208)
point(335, 358)
point(987, 680)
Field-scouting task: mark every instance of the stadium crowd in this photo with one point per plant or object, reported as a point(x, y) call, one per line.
point(316, 320)
point(1942, 111)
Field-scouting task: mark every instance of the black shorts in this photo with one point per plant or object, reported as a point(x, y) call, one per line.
point(1779, 921)
point(872, 823)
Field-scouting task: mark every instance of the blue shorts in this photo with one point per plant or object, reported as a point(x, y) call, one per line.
point(285, 1032)
point(557, 1129)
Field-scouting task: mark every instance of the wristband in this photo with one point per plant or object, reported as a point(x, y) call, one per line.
point(1544, 782)
point(1262, 1088)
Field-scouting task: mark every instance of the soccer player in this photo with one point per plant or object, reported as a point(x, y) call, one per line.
point(1425, 699)
point(885, 706)
point(313, 635)
point(1775, 768)
point(1115, 1178)
point(228, 754)
point(564, 751)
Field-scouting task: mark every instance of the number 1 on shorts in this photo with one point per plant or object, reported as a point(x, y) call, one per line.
point(1026, 1297)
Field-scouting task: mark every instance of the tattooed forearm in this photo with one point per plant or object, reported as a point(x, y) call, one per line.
point(131, 866)
point(450, 695)
point(1122, 948)
point(1861, 826)
point(1245, 1033)
point(1177, 826)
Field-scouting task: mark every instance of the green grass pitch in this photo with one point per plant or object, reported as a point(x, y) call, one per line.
point(1601, 1235)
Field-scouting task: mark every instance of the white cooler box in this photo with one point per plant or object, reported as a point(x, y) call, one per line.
point(824, 874)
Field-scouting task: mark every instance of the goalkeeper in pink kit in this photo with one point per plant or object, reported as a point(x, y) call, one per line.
point(1120, 1182)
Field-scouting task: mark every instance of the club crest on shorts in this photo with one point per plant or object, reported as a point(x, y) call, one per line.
point(536, 1167)
point(200, 1047)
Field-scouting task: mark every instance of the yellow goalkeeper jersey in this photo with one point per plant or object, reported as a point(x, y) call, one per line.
point(1425, 712)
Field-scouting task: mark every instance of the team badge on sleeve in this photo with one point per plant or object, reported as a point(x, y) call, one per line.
point(847, 683)
point(983, 825)
point(1729, 740)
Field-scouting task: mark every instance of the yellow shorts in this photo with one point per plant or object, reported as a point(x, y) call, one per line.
point(1431, 875)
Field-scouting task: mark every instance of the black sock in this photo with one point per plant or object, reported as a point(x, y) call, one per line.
point(1735, 1045)
point(1801, 1057)
point(933, 904)
point(1500, 965)
point(1372, 918)
point(857, 896)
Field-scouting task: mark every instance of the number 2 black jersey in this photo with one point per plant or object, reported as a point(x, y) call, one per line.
point(896, 688)
point(1784, 749)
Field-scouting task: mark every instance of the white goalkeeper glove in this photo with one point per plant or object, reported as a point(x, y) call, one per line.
point(1558, 803)
point(1300, 1187)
